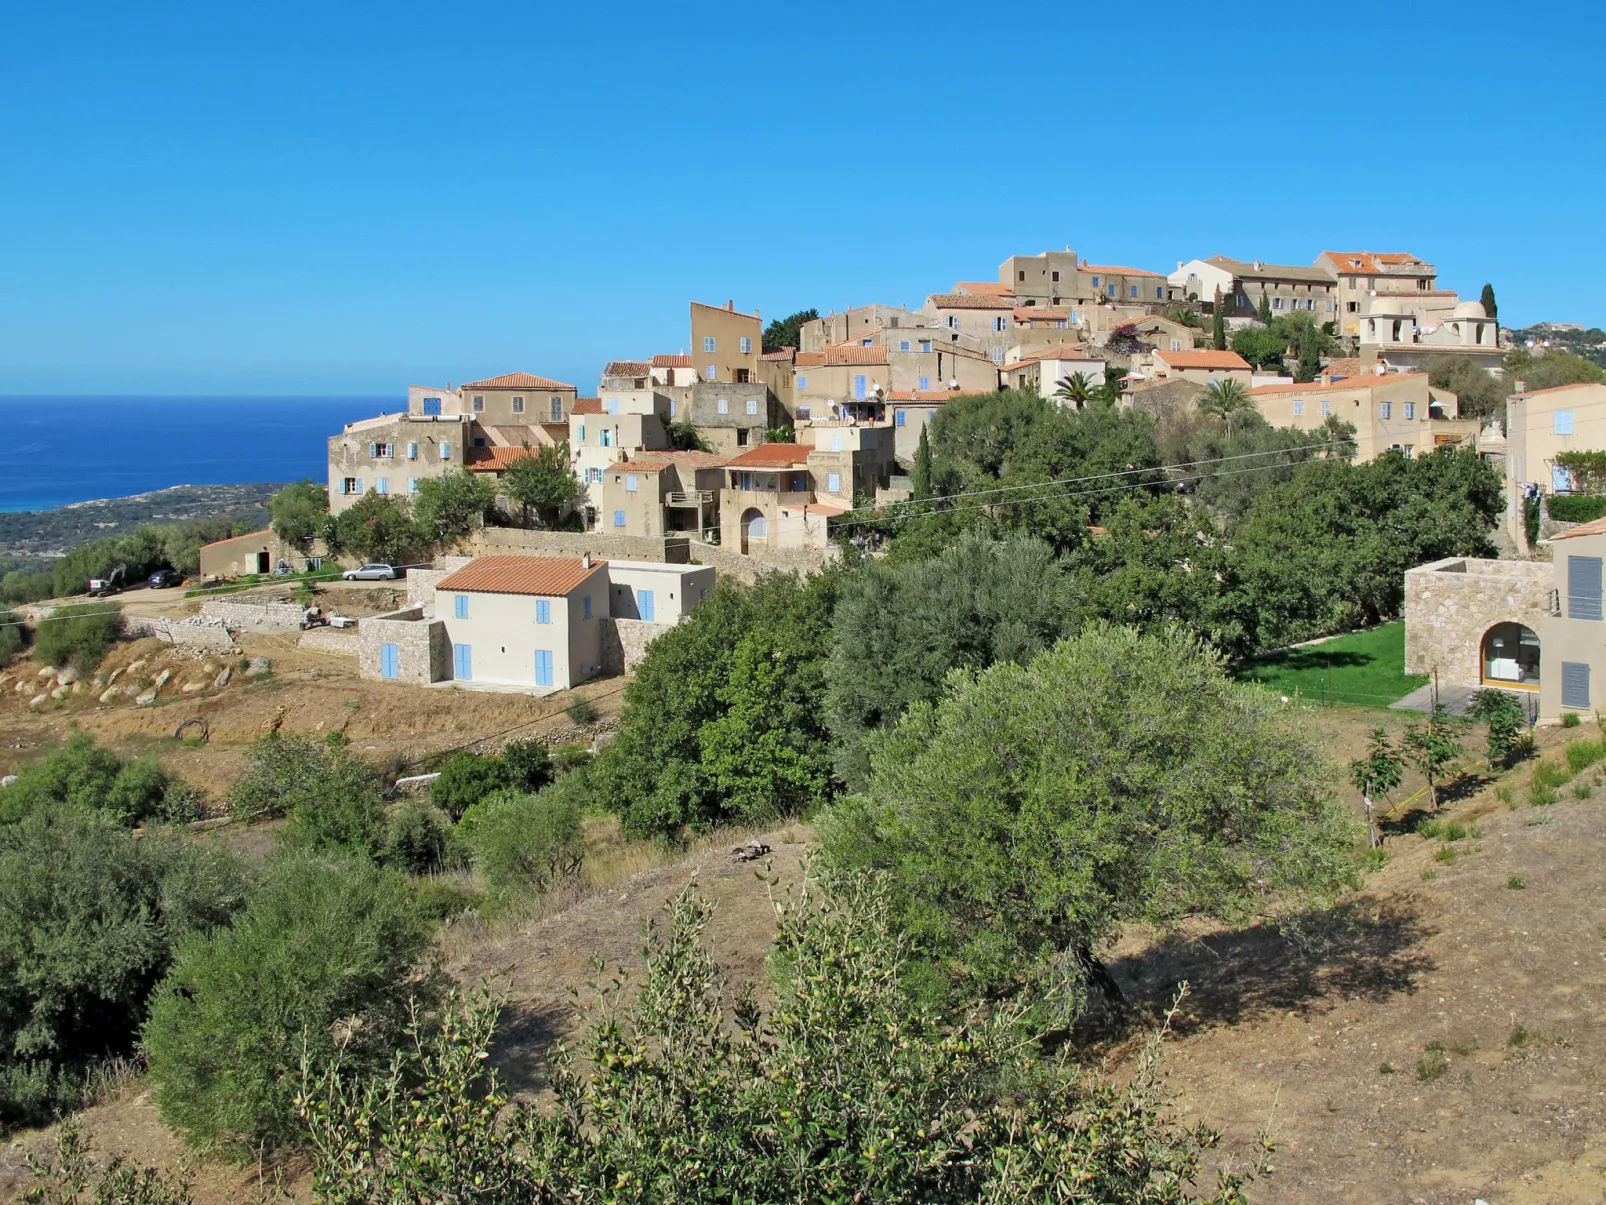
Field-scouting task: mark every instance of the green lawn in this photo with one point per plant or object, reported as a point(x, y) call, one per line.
point(1363, 669)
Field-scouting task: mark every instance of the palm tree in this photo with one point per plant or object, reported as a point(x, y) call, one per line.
point(1075, 389)
point(1224, 399)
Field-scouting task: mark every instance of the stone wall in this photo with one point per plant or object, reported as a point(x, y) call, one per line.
point(625, 641)
point(194, 633)
point(1450, 604)
point(342, 641)
point(423, 651)
point(725, 560)
point(421, 583)
point(494, 541)
point(248, 613)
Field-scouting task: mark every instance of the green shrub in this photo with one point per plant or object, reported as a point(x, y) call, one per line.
point(581, 711)
point(330, 797)
point(465, 779)
point(13, 636)
point(1583, 754)
point(526, 842)
point(1530, 521)
point(88, 775)
point(1433, 1063)
point(326, 955)
point(1575, 508)
point(529, 766)
point(417, 839)
point(78, 636)
point(440, 898)
point(1516, 883)
point(73, 1176)
point(845, 1090)
point(89, 918)
point(1569, 719)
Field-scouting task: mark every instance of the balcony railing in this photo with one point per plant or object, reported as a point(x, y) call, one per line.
point(688, 497)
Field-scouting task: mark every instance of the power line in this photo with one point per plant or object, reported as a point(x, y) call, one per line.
point(117, 610)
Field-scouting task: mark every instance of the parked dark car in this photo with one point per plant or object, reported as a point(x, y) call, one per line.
point(164, 578)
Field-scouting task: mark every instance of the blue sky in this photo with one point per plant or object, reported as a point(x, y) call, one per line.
point(245, 197)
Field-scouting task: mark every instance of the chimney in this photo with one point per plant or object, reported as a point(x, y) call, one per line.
point(585, 561)
point(1179, 265)
point(1327, 376)
point(1522, 385)
point(1257, 265)
point(730, 306)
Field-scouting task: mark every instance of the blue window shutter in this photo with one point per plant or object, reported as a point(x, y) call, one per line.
point(644, 604)
point(582, 430)
point(1583, 587)
point(543, 611)
point(618, 518)
point(1562, 423)
point(925, 383)
point(802, 382)
point(460, 606)
point(902, 416)
point(463, 662)
point(586, 604)
point(432, 405)
point(858, 386)
point(1574, 684)
point(388, 661)
point(543, 667)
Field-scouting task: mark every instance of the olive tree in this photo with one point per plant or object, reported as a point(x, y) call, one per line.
point(1117, 777)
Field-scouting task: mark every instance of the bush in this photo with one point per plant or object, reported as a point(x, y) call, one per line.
point(89, 918)
point(1583, 754)
point(78, 636)
point(845, 1091)
point(326, 955)
point(581, 711)
point(529, 766)
point(467, 778)
point(1569, 719)
point(13, 636)
point(330, 797)
point(526, 842)
point(417, 839)
point(86, 775)
point(1575, 508)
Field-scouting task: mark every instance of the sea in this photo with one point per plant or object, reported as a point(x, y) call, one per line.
point(59, 450)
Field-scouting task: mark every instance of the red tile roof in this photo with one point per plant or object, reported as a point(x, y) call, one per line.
point(1558, 389)
point(1363, 381)
point(855, 353)
point(970, 301)
point(1594, 527)
point(771, 456)
point(1028, 313)
point(924, 395)
point(1370, 261)
point(984, 288)
point(550, 575)
point(1202, 359)
point(1116, 270)
point(649, 465)
point(785, 353)
point(1062, 351)
point(671, 361)
point(587, 405)
point(515, 380)
point(494, 460)
point(627, 368)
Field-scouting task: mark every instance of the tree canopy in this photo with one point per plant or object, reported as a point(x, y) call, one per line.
point(543, 482)
point(784, 332)
point(300, 512)
point(450, 506)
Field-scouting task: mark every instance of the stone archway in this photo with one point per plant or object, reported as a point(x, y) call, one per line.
point(1508, 656)
point(755, 530)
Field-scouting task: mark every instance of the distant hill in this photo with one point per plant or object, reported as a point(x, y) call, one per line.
point(48, 533)
point(1589, 342)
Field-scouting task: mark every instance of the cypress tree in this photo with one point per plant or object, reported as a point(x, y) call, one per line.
point(1218, 326)
point(922, 473)
point(1310, 358)
point(1490, 309)
point(1263, 310)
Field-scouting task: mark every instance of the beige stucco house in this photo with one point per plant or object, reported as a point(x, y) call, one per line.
point(1202, 367)
point(769, 501)
point(1394, 411)
point(1362, 274)
point(725, 343)
point(1544, 422)
point(656, 493)
point(1241, 283)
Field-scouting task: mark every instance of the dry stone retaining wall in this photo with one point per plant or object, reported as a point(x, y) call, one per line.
point(239, 613)
point(491, 541)
point(210, 637)
point(331, 640)
point(625, 641)
point(1450, 604)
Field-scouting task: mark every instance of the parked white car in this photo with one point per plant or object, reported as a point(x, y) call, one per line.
point(370, 573)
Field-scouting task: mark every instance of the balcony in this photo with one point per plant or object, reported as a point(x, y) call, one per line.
point(688, 497)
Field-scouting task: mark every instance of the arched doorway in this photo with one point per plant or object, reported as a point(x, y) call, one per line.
point(754, 529)
point(1510, 657)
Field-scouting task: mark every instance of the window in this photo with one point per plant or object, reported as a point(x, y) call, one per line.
point(836, 443)
point(412, 484)
point(389, 661)
point(1583, 587)
point(1176, 345)
point(925, 345)
point(1352, 307)
point(803, 412)
point(802, 382)
point(833, 483)
point(543, 610)
point(446, 449)
point(1059, 325)
point(585, 607)
point(1299, 407)
point(1276, 303)
point(1159, 294)
point(645, 606)
point(752, 405)
point(518, 405)
point(479, 441)
point(557, 409)
point(747, 346)
point(1134, 292)
point(618, 518)
point(952, 322)
point(543, 667)
point(380, 451)
point(605, 438)
point(611, 405)
point(893, 323)
point(432, 405)
point(866, 342)
point(710, 373)
point(724, 406)
point(596, 476)
point(1575, 684)
point(998, 355)
point(998, 324)
point(671, 407)
point(381, 485)
point(925, 382)
point(1410, 410)
point(1055, 277)
point(630, 484)
point(1387, 409)
point(903, 345)
point(1562, 423)
point(1110, 290)
point(463, 662)
point(581, 436)
point(351, 485)
point(859, 386)
point(1095, 282)
point(459, 606)
point(1327, 409)
point(412, 451)
point(708, 343)
point(479, 404)
point(902, 415)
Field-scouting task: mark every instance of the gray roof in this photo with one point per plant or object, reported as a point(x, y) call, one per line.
point(1244, 270)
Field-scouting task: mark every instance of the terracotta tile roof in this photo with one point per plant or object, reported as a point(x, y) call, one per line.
point(842, 353)
point(1558, 389)
point(671, 361)
point(923, 395)
point(969, 301)
point(650, 465)
point(694, 458)
point(587, 405)
point(1117, 270)
point(515, 380)
point(1027, 313)
point(1349, 366)
point(1246, 270)
point(786, 353)
point(1370, 261)
point(1594, 527)
point(1361, 381)
point(984, 288)
point(1062, 351)
point(549, 575)
point(494, 460)
point(627, 368)
point(827, 509)
point(1202, 359)
point(771, 456)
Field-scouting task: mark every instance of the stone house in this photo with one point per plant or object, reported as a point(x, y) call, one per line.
point(1202, 367)
point(1241, 283)
point(768, 501)
point(241, 556)
point(725, 343)
point(391, 454)
point(655, 493)
point(1363, 274)
point(1394, 411)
